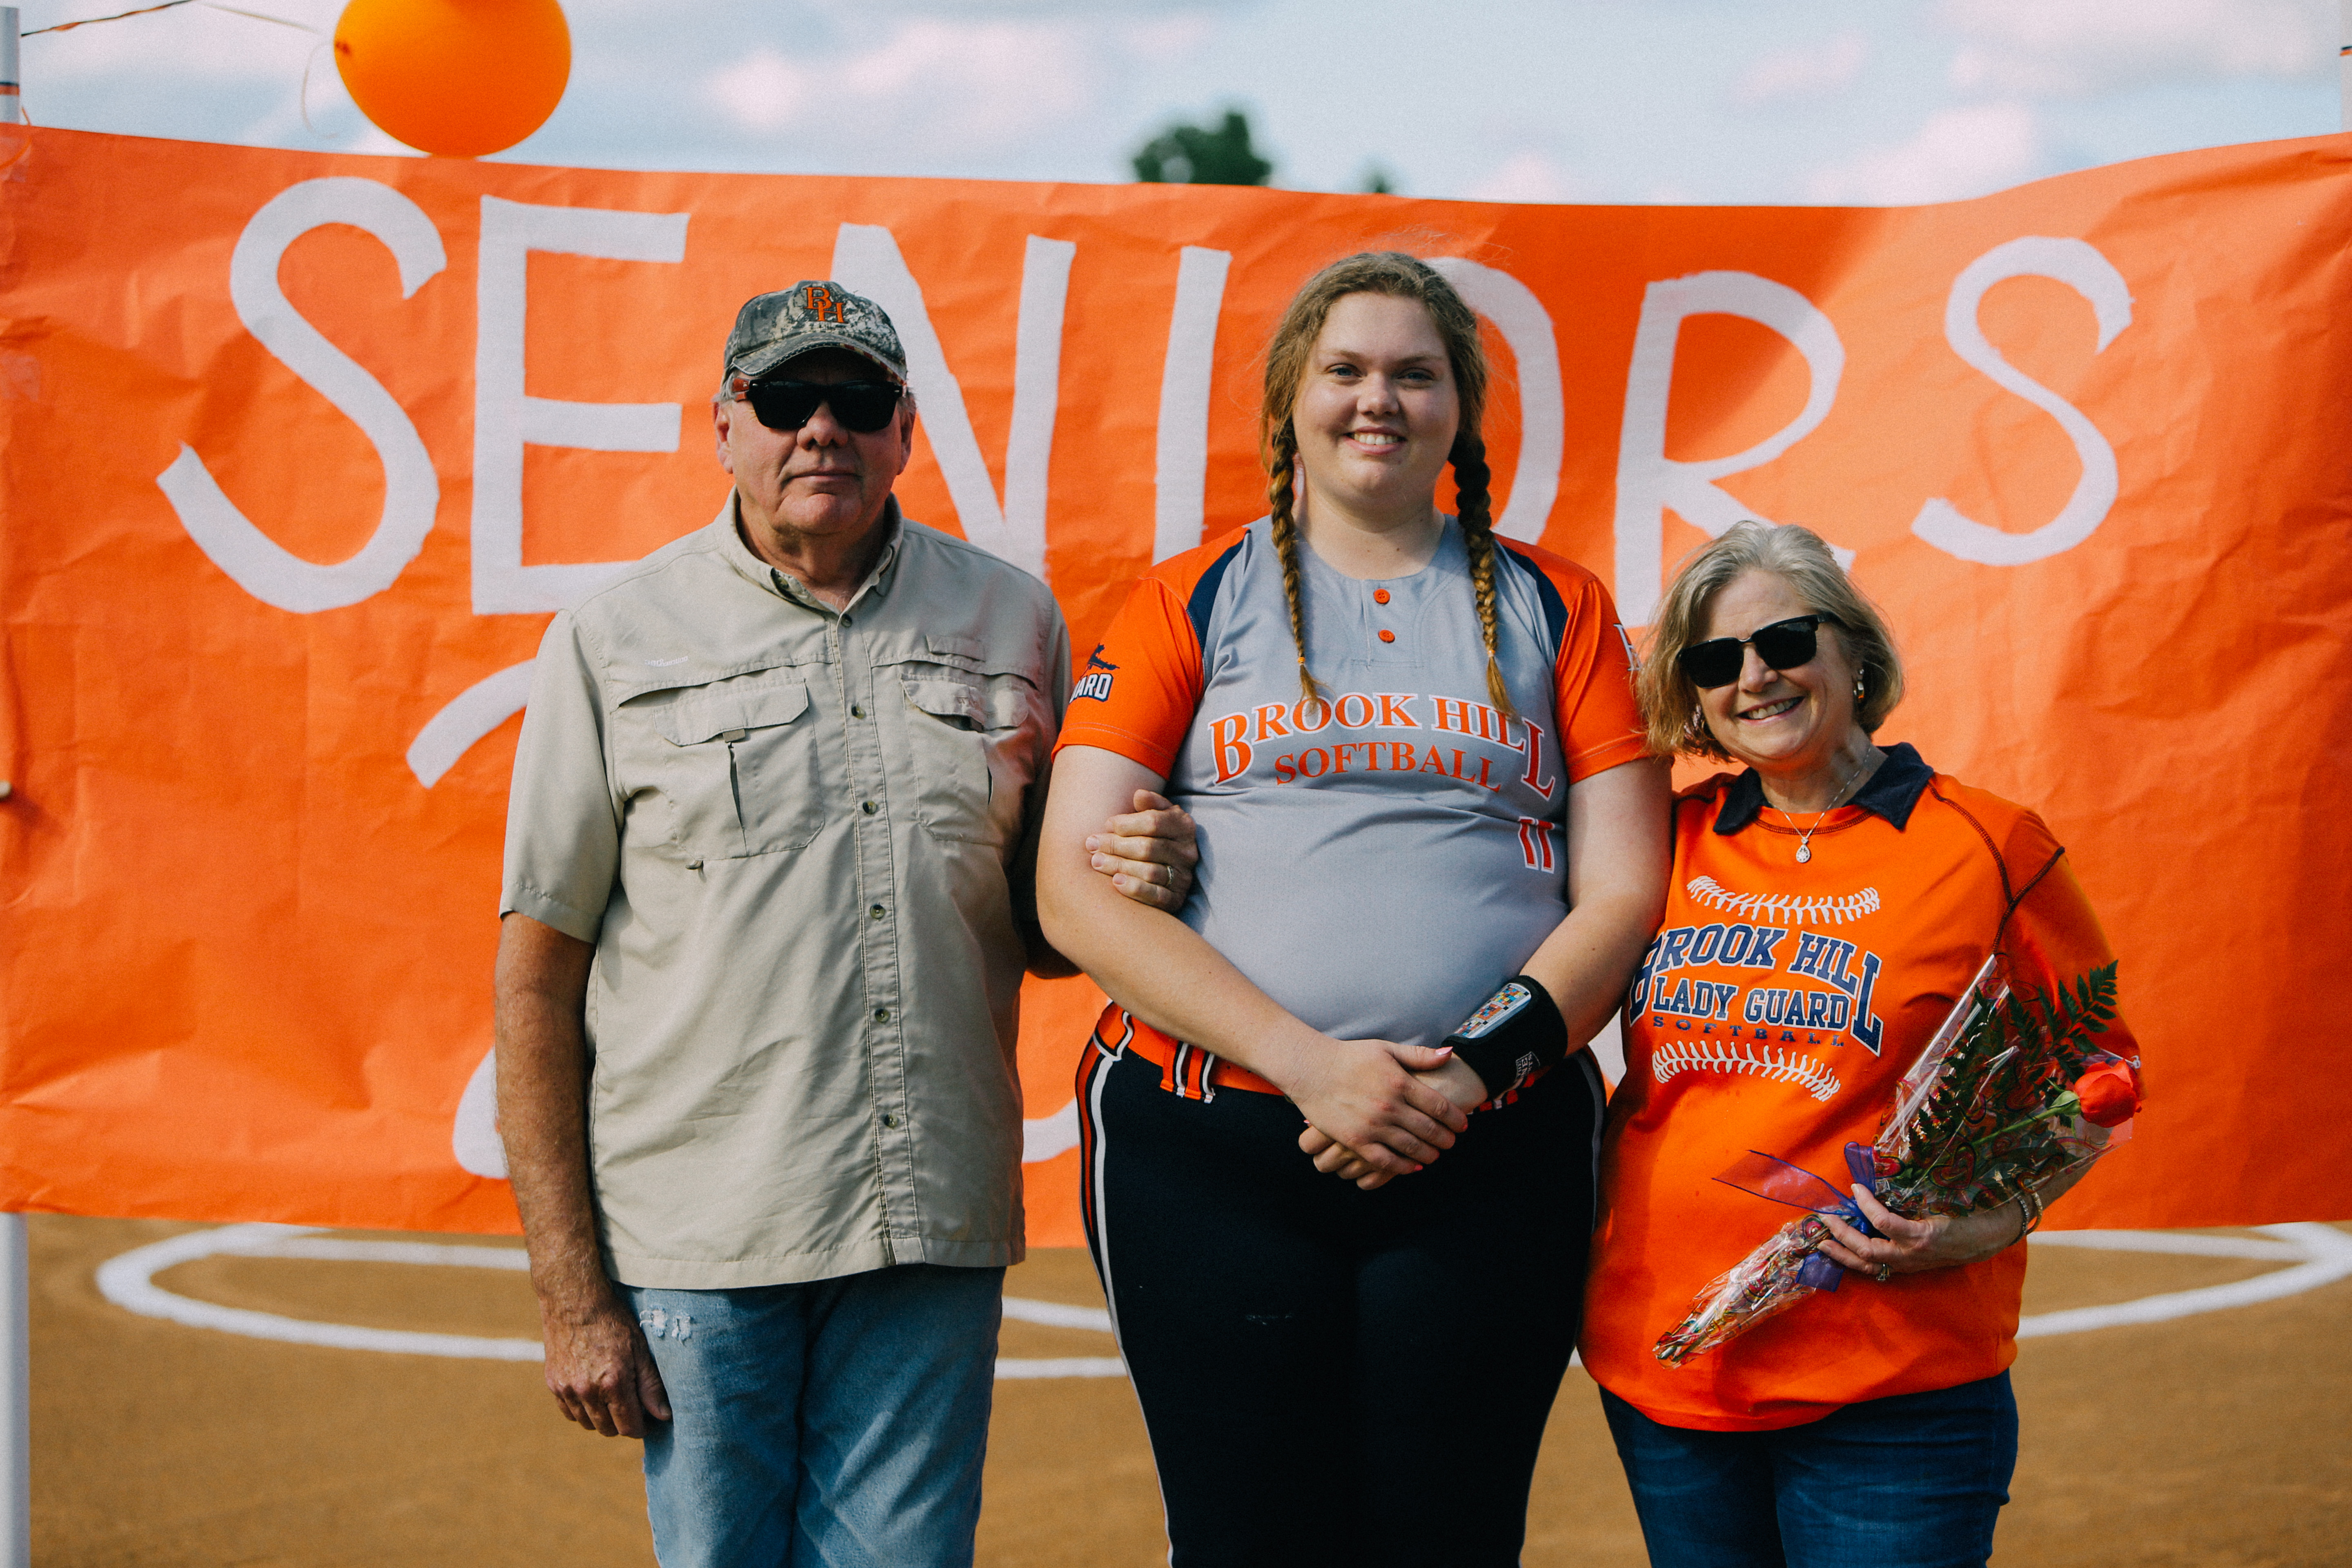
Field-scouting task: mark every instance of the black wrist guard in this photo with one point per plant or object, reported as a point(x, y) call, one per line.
point(1517, 1033)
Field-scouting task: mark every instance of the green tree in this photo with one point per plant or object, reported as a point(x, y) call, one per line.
point(1195, 155)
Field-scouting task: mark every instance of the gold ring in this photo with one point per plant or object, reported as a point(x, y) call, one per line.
point(1883, 1270)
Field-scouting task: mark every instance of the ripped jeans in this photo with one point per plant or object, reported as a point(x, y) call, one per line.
point(830, 1425)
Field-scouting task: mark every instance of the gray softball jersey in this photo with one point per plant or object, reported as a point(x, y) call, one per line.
point(1377, 858)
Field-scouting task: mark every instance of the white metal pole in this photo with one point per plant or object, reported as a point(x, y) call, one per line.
point(15, 1397)
point(11, 101)
point(16, 1295)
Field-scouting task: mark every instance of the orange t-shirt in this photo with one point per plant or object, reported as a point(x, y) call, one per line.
point(1776, 1010)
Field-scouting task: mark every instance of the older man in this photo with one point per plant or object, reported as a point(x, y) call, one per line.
point(766, 910)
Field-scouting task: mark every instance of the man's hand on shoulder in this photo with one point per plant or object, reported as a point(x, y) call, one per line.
point(600, 1368)
point(1148, 853)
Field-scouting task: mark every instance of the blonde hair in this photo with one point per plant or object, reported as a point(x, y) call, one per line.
point(1670, 705)
point(1401, 276)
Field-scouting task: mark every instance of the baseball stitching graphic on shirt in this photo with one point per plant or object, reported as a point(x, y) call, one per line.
point(1671, 1056)
point(1830, 911)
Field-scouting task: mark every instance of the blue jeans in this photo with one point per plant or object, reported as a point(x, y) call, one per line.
point(833, 1424)
point(1915, 1480)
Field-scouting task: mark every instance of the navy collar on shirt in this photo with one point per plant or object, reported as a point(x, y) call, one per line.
point(1891, 793)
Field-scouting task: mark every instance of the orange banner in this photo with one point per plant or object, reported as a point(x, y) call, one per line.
point(300, 451)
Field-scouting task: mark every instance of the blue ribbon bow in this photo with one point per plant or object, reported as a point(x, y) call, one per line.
point(1770, 1176)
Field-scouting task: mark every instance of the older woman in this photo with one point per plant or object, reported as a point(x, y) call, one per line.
point(1828, 905)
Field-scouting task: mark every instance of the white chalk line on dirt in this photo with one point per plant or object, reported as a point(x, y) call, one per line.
point(129, 1281)
point(2318, 1255)
point(2325, 1255)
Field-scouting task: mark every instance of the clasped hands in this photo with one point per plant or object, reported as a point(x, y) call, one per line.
point(1374, 1150)
point(1375, 1109)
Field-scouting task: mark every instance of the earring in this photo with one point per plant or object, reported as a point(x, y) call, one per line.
point(1857, 688)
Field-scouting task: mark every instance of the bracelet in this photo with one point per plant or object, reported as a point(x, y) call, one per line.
point(1514, 1035)
point(2029, 1214)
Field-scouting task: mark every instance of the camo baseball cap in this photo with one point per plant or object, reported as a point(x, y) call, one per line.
point(811, 314)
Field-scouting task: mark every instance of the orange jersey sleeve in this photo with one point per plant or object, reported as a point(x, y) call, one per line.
point(2054, 936)
point(1592, 674)
point(1142, 683)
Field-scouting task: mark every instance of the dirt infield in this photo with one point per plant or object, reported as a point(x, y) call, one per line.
point(2222, 1440)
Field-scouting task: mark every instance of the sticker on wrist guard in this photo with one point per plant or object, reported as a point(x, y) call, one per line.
point(1500, 1008)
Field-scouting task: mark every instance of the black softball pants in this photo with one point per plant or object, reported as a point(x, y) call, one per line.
point(1327, 1373)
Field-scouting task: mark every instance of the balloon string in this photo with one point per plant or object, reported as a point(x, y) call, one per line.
point(209, 5)
point(166, 6)
point(119, 16)
point(304, 99)
point(240, 11)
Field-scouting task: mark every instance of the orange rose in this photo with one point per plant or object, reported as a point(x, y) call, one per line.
point(2108, 1093)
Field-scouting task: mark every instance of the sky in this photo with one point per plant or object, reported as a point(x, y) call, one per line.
point(1710, 101)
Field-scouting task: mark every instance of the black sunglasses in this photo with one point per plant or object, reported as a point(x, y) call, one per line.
point(864, 407)
point(1783, 645)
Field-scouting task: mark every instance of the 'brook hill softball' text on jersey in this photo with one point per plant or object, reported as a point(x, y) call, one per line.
point(1778, 1008)
point(1376, 859)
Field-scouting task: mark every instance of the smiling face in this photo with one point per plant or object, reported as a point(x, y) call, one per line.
point(823, 481)
point(1377, 410)
point(1786, 725)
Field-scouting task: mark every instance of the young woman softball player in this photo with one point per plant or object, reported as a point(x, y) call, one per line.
point(1338, 1128)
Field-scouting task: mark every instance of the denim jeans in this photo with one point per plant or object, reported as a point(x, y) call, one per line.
point(838, 1424)
point(1915, 1480)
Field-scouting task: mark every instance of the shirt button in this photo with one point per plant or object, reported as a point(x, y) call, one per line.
point(890, 1121)
point(878, 912)
point(856, 712)
point(881, 1015)
point(1380, 596)
point(868, 807)
point(1387, 635)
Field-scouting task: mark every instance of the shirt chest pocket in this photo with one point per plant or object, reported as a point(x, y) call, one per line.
point(741, 768)
point(972, 732)
point(944, 724)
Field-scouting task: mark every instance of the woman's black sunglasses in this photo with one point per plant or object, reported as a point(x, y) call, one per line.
point(864, 407)
point(1783, 645)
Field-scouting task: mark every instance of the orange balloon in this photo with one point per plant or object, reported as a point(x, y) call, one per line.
point(456, 77)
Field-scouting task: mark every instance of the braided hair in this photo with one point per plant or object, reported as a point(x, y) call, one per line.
point(1281, 496)
point(1403, 277)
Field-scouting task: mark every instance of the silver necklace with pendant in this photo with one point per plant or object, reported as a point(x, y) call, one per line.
point(1805, 835)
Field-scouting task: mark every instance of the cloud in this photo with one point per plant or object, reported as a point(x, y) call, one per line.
point(761, 91)
point(1959, 152)
point(938, 86)
point(1802, 72)
point(1529, 178)
point(1052, 7)
point(2081, 48)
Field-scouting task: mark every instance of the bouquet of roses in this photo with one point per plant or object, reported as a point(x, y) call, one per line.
point(2009, 1093)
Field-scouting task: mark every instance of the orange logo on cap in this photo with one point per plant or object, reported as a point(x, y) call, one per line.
point(823, 303)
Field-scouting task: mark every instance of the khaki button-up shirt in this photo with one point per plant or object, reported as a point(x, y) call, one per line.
point(792, 836)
